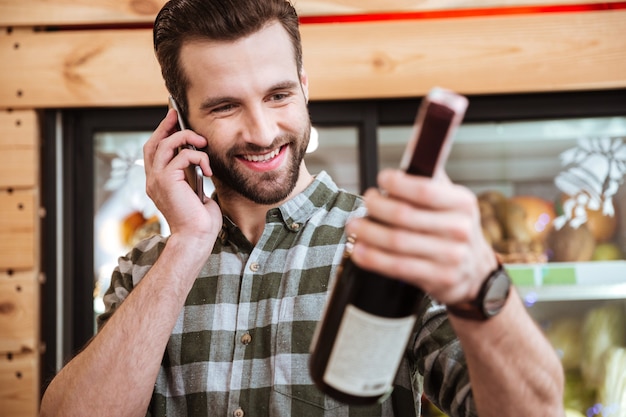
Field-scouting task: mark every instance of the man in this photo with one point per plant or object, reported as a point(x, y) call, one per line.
point(217, 319)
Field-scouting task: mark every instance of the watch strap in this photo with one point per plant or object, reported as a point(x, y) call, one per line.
point(475, 309)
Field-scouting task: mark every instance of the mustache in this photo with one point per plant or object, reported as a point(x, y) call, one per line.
point(249, 148)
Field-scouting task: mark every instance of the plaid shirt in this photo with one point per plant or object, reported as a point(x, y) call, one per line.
point(241, 342)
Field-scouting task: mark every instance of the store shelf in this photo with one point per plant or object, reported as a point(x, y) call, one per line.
point(532, 295)
point(569, 281)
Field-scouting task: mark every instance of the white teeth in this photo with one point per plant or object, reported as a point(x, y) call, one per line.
point(261, 158)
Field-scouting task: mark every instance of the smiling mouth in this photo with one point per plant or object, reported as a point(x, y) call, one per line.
point(266, 157)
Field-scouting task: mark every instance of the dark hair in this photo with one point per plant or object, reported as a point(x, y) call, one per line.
point(221, 20)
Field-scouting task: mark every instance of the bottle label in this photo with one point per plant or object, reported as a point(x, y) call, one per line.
point(367, 352)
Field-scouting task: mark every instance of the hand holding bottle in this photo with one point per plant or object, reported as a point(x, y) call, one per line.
point(426, 233)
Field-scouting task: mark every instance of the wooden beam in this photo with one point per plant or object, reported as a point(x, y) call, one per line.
point(534, 53)
point(80, 68)
point(107, 12)
point(552, 52)
point(18, 230)
point(77, 12)
point(18, 147)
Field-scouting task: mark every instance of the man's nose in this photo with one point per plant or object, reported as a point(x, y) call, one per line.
point(261, 127)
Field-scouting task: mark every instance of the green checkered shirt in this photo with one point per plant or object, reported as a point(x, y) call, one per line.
point(241, 343)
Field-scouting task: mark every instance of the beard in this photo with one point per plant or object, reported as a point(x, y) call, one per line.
point(262, 188)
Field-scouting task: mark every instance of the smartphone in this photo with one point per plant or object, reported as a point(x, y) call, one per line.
point(438, 116)
point(193, 173)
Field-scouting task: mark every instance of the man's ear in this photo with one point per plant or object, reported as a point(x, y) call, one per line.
point(304, 82)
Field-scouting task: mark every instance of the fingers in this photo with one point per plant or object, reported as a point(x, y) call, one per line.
point(168, 157)
point(162, 146)
point(403, 242)
point(450, 222)
point(437, 194)
point(450, 271)
point(163, 130)
point(165, 166)
point(443, 280)
point(424, 232)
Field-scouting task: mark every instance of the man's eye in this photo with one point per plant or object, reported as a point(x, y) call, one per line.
point(223, 109)
point(279, 96)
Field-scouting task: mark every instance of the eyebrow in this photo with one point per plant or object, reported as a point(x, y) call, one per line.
point(217, 101)
point(285, 85)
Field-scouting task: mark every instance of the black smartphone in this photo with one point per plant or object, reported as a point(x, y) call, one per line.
point(193, 173)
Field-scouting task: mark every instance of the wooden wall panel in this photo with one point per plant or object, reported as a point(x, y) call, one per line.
point(64, 12)
point(569, 51)
point(19, 382)
point(18, 229)
point(19, 132)
point(85, 12)
point(18, 312)
point(79, 68)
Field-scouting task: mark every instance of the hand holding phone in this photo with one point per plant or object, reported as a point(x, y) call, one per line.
point(193, 173)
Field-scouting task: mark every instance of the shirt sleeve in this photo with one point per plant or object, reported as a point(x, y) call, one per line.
point(440, 360)
point(131, 268)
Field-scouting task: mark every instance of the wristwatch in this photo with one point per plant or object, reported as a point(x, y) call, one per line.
point(490, 300)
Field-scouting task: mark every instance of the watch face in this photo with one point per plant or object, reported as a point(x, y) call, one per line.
point(496, 295)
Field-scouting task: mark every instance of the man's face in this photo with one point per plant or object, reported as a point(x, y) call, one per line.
point(248, 100)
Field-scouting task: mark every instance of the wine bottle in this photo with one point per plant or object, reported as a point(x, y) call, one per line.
point(360, 341)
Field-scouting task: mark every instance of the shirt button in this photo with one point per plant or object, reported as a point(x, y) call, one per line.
point(254, 267)
point(295, 226)
point(238, 413)
point(246, 339)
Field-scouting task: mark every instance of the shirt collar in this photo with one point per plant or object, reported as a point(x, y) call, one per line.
point(298, 210)
point(295, 212)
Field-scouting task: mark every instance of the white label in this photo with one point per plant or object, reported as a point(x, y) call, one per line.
point(367, 352)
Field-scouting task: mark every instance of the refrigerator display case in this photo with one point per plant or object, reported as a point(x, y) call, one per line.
point(563, 249)
point(560, 156)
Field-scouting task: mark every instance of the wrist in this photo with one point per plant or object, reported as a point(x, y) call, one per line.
point(491, 298)
point(190, 246)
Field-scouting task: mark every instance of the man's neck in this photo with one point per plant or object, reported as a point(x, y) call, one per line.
point(250, 216)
